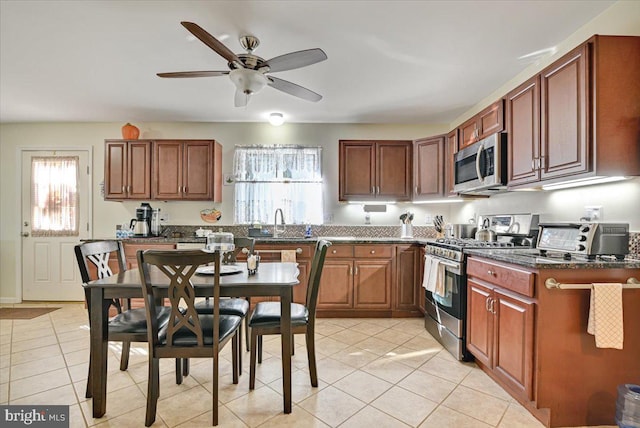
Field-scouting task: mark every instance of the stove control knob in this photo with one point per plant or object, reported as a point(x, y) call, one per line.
point(582, 238)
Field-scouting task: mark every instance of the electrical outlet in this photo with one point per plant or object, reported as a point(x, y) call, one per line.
point(593, 212)
point(428, 219)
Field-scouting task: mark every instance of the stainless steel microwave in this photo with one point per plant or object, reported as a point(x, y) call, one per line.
point(481, 169)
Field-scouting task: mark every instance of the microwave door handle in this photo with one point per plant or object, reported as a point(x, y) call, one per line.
point(480, 149)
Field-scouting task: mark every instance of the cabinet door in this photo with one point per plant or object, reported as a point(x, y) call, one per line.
point(451, 148)
point(513, 351)
point(468, 132)
point(139, 169)
point(197, 170)
point(523, 132)
point(564, 108)
point(357, 170)
point(491, 120)
point(115, 170)
point(336, 285)
point(372, 284)
point(167, 170)
point(479, 322)
point(428, 168)
point(394, 165)
point(407, 285)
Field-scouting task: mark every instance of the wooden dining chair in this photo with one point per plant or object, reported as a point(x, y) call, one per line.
point(188, 334)
point(233, 306)
point(128, 325)
point(265, 318)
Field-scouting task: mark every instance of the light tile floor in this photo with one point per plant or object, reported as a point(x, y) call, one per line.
point(373, 372)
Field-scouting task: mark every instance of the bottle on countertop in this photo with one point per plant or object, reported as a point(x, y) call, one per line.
point(307, 231)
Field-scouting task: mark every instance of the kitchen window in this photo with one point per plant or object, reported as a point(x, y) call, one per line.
point(272, 177)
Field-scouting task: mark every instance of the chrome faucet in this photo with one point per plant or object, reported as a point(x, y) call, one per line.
point(276, 229)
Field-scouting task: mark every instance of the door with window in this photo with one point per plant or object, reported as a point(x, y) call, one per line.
point(55, 217)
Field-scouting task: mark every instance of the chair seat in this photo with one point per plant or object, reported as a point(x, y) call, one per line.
point(134, 321)
point(267, 314)
point(185, 337)
point(237, 307)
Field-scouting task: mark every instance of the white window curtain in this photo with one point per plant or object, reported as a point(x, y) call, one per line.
point(54, 196)
point(271, 177)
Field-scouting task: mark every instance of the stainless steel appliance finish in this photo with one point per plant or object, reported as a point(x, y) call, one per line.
point(588, 239)
point(141, 225)
point(481, 169)
point(445, 319)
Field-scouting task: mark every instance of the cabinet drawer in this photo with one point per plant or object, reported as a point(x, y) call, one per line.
point(374, 251)
point(340, 251)
point(130, 250)
point(508, 277)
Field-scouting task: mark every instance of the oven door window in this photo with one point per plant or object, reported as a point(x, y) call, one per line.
point(451, 302)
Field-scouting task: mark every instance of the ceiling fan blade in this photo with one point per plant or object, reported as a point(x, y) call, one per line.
point(293, 89)
point(241, 99)
point(212, 42)
point(193, 74)
point(295, 60)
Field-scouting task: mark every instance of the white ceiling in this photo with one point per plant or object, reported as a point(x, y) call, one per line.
point(389, 61)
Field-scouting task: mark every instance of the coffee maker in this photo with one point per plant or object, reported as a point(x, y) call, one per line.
point(141, 225)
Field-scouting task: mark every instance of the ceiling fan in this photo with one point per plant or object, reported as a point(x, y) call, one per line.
point(248, 72)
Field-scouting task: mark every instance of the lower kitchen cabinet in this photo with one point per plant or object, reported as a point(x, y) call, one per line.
point(533, 340)
point(500, 334)
point(408, 296)
point(356, 280)
point(375, 280)
point(500, 322)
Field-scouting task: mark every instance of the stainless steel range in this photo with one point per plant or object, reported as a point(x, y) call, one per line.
point(445, 279)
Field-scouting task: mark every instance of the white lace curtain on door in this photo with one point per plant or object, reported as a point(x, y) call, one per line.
point(271, 177)
point(54, 196)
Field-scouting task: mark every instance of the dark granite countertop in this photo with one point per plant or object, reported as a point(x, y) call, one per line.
point(531, 258)
point(271, 240)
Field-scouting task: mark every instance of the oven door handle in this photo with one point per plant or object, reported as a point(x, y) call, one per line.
point(447, 263)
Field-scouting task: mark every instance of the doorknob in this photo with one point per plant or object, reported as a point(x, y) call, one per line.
point(25, 234)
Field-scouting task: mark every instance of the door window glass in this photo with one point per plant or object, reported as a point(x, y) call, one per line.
point(54, 196)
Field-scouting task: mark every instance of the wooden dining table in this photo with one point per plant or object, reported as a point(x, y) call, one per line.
point(271, 279)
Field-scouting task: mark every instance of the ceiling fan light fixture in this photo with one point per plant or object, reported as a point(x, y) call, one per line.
point(276, 119)
point(248, 81)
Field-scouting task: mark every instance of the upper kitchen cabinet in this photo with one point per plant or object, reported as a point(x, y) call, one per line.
point(487, 122)
point(127, 169)
point(577, 119)
point(450, 149)
point(375, 170)
point(428, 168)
point(187, 170)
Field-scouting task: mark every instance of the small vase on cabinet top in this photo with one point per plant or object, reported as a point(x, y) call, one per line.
point(130, 132)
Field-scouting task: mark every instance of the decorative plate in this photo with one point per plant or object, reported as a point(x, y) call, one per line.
point(224, 270)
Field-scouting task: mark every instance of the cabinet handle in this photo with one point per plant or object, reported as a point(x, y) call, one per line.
point(334, 251)
point(486, 303)
point(124, 189)
point(543, 162)
point(356, 270)
point(373, 251)
point(351, 270)
point(491, 306)
point(378, 190)
point(533, 164)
